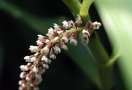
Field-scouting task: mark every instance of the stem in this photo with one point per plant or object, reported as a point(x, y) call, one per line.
point(112, 60)
point(106, 73)
point(73, 5)
point(68, 31)
point(84, 9)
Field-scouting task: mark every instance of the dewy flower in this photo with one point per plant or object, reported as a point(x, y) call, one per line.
point(48, 47)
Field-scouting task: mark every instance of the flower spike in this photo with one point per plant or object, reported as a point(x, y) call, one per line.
point(48, 47)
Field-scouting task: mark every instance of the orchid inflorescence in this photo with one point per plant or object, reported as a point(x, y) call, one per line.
point(49, 46)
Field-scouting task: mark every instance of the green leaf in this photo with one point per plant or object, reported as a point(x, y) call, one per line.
point(117, 19)
point(101, 56)
point(83, 57)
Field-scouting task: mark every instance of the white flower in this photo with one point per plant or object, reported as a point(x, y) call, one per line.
point(39, 42)
point(50, 36)
point(28, 78)
point(85, 37)
point(46, 66)
point(35, 69)
point(65, 24)
point(27, 58)
point(56, 27)
point(47, 41)
point(34, 48)
point(40, 37)
point(57, 49)
point(96, 25)
point(73, 41)
point(23, 86)
point(60, 32)
point(24, 68)
point(86, 32)
point(28, 64)
point(85, 40)
point(33, 59)
point(71, 24)
point(44, 58)
point(20, 88)
point(46, 49)
point(65, 39)
point(38, 79)
point(64, 47)
point(50, 30)
point(22, 75)
point(52, 56)
point(20, 82)
point(36, 54)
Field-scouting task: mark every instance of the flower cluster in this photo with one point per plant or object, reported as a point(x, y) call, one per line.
point(86, 31)
point(47, 48)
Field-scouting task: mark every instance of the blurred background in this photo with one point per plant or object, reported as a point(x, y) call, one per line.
point(20, 23)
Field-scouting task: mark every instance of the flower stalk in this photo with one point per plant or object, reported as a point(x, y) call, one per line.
point(73, 5)
point(84, 10)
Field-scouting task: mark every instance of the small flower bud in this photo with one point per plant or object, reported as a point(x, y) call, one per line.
point(46, 49)
point(22, 75)
point(20, 82)
point(65, 39)
point(85, 37)
point(52, 56)
point(39, 42)
point(65, 24)
point(45, 59)
point(28, 78)
point(34, 48)
point(50, 31)
point(57, 49)
point(40, 37)
point(27, 58)
point(33, 59)
point(24, 68)
point(35, 69)
point(73, 41)
point(46, 66)
point(64, 47)
point(96, 25)
point(56, 27)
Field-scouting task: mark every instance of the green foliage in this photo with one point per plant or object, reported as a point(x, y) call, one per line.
point(117, 19)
